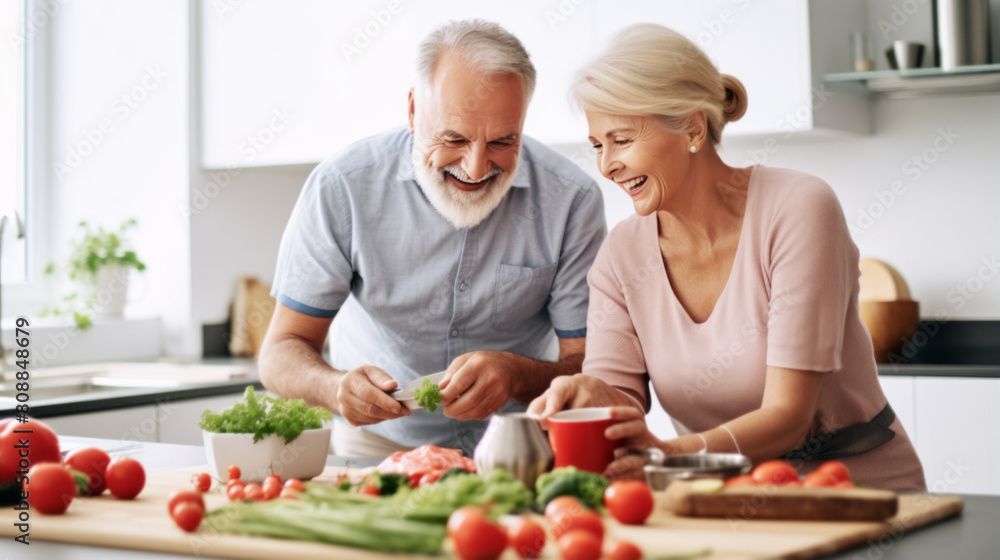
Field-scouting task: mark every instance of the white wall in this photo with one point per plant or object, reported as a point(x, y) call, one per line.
point(237, 233)
point(942, 223)
point(118, 124)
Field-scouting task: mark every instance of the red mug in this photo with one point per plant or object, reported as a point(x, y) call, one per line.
point(577, 439)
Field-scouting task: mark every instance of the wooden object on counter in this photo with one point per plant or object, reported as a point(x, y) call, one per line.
point(783, 502)
point(253, 307)
point(886, 308)
point(143, 524)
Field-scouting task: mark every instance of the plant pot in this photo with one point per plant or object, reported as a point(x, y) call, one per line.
point(108, 291)
point(302, 458)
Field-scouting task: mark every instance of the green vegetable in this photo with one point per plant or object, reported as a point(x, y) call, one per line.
point(346, 522)
point(452, 472)
point(585, 486)
point(427, 395)
point(435, 502)
point(262, 415)
point(389, 483)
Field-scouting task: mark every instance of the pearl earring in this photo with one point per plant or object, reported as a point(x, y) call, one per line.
point(694, 149)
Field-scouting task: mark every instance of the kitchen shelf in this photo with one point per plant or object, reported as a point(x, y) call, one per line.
point(922, 82)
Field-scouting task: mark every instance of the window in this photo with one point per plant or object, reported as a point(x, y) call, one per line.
point(13, 256)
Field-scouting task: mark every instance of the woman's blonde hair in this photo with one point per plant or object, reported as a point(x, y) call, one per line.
point(650, 70)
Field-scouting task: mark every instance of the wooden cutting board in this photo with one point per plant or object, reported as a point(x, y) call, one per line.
point(143, 524)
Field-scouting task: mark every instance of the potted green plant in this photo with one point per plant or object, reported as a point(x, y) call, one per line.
point(99, 264)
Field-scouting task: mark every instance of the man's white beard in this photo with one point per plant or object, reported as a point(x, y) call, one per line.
point(463, 209)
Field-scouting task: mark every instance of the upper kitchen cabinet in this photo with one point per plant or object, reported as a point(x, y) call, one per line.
point(295, 81)
point(778, 50)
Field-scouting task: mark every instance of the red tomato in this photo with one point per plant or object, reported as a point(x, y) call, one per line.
point(629, 501)
point(253, 492)
point(742, 480)
point(50, 488)
point(188, 516)
point(289, 494)
point(563, 504)
point(33, 436)
point(623, 550)
point(774, 472)
point(126, 478)
point(233, 473)
point(201, 481)
point(272, 488)
point(819, 479)
point(579, 545)
point(184, 497)
point(585, 520)
point(92, 462)
point(234, 490)
point(368, 490)
point(846, 484)
point(475, 537)
point(836, 469)
point(527, 538)
point(295, 484)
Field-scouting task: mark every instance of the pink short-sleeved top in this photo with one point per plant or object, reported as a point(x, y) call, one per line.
point(791, 301)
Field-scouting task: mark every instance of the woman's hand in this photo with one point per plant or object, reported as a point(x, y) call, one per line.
point(630, 427)
point(577, 391)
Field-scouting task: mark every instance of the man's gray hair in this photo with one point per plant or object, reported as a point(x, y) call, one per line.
point(485, 45)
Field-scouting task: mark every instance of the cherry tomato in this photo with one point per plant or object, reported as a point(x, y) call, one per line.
point(126, 478)
point(623, 550)
point(201, 481)
point(846, 484)
point(742, 480)
point(40, 440)
point(368, 490)
point(188, 516)
point(295, 484)
point(92, 462)
point(184, 497)
point(253, 492)
point(579, 545)
point(289, 494)
point(836, 469)
point(774, 472)
point(819, 479)
point(585, 520)
point(233, 473)
point(563, 504)
point(234, 490)
point(527, 538)
point(50, 488)
point(475, 537)
point(272, 488)
point(415, 478)
point(629, 501)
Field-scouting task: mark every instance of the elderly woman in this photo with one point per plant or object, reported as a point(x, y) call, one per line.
point(733, 291)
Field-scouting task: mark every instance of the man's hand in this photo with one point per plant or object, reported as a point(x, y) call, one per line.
point(362, 398)
point(578, 391)
point(478, 384)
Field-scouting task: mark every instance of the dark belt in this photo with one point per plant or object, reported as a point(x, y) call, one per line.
point(852, 440)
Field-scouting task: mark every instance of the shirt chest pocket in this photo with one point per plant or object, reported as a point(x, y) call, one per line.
point(521, 292)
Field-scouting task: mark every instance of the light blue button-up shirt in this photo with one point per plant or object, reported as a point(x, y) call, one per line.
point(410, 292)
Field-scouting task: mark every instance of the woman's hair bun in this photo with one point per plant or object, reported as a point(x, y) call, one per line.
point(735, 105)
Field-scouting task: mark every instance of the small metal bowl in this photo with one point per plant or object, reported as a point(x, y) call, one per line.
point(689, 466)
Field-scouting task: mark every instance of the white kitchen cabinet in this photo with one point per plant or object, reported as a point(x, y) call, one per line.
point(957, 426)
point(296, 81)
point(899, 390)
point(777, 49)
point(128, 424)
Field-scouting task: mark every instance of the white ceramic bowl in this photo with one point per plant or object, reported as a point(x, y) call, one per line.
point(302, 458)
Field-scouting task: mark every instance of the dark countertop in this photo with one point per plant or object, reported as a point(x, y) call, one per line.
point(973, 534)
point(137, 396)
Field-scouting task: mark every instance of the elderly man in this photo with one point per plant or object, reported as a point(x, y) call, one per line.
point(456, 245)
